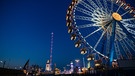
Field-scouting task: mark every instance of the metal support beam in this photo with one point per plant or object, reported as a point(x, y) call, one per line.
point(112, 48)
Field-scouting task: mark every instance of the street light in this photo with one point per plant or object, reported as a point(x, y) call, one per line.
point(77, 62)
point(15, 67)
point(1, 62)
point(20, 67)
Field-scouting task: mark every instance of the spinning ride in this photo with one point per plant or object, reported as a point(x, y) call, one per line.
point(104, 27)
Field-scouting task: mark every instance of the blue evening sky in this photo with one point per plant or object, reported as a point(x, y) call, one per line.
point(25, 32)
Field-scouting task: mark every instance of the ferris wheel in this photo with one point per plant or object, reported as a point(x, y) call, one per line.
point(104, 27)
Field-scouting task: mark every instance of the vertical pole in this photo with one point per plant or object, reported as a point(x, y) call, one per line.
point(51, 51)
point(112, 49)
point(83, 63)
point(4, 64)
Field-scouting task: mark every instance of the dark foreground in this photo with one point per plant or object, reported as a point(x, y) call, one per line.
point(11, 72)
point(110, 72)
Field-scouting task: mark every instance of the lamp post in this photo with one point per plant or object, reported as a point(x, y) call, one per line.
point(4, 63)
point(1, 62)
point(20, 68)
point(77, 62)
point(77, 65)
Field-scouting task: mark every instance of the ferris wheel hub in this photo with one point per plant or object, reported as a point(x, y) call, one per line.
point(117, 16)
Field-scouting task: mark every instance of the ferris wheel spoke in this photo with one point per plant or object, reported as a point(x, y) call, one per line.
point(130, 44)
point(86, 26)
point(111, 6)
point(99, 39)
point(117, 37)
point(134, 37)
point(125, 30)
point(108, 42)
point(128, 25)
point(83, 18)
point(87, 6)
point(118, 8)
point(123, 44)
point(129, 19)
point(121, 33)
point(125, 13)
point(93, 4)
point(100, 18)
point(93, 32)
point(83, 11)
point(131, 31)
point(131, 25)
point(96, 20)
point(117, 49)
point(127, 49)
point(118, 29)
point(117, 46)
point(99, 4)
point(100, 15)
point(124, 48)
point(105, 4)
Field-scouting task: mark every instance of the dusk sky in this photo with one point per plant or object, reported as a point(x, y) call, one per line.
point(25, 32)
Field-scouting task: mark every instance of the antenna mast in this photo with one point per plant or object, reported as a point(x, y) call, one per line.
point(51, 50)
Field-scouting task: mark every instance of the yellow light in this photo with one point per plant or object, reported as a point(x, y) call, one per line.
point(117, 16)
point(97, 64)
point(88, 58)
point(24, 71)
